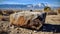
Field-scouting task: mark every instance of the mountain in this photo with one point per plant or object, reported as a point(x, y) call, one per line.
point(22, 6)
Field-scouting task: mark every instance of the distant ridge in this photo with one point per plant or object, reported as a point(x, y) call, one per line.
point(22, 6)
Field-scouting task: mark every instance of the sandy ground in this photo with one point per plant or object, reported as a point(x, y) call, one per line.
point(53, 19)
point(5, 26)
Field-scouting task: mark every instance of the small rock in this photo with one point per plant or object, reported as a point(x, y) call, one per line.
point(35, 31)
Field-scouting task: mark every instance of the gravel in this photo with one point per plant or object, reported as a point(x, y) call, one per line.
point(5, 28)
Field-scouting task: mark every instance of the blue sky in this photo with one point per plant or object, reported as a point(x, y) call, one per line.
point(49, 2)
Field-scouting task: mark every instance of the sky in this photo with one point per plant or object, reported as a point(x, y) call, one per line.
point(49, 2)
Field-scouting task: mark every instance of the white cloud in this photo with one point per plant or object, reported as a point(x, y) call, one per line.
point(39, 4)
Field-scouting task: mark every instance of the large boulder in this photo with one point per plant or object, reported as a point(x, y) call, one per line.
point(28, 19)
